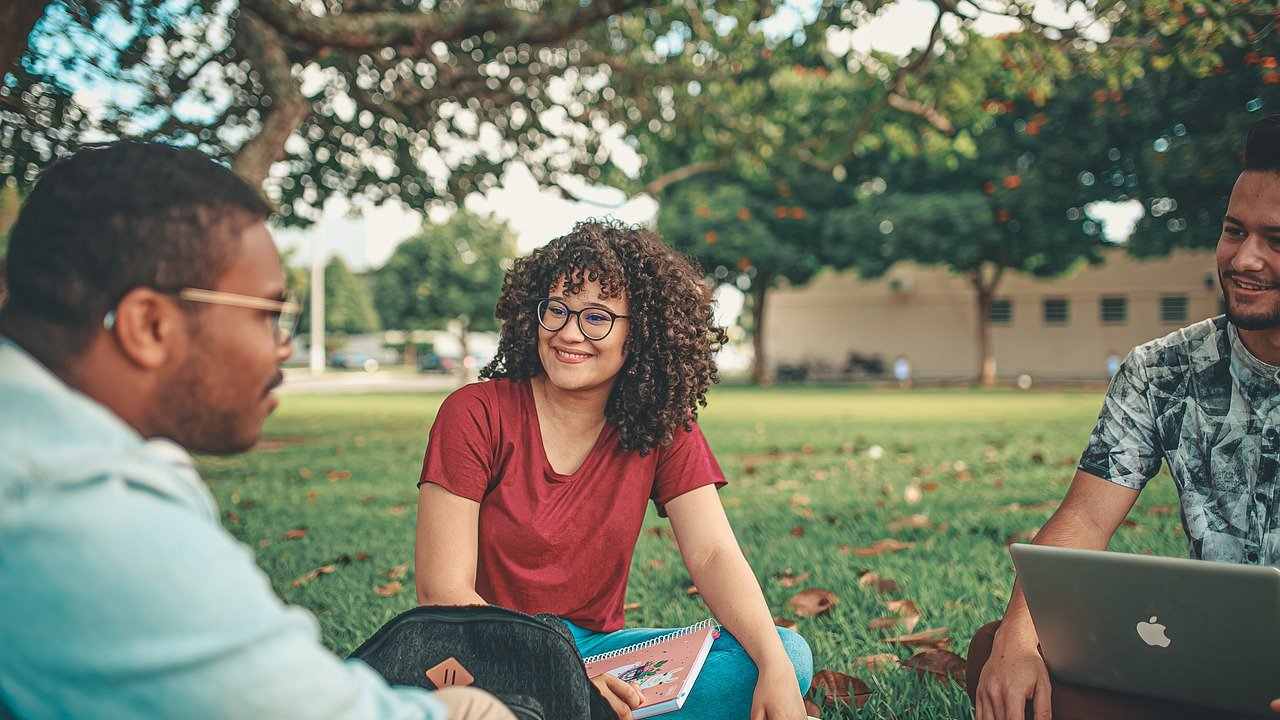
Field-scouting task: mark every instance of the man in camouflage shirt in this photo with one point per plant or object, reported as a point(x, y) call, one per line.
point(1206, 401)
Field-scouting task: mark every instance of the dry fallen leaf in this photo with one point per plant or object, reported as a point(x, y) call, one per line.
point(305, 473)
point(831, 687)
point(296, 534)
point(691, 590)
point(336, 475)
point(362, 556)
point(1129, 522)
point(939, 664)
point(875, 582)
point(397, 510)
point(813, 710)
point(1025, 536)
point(398, 572)
point(630, 606)
point(1043, 505)
point(1160, 510)
point(931, 638)
point(788, 579)
point(930, 486)
point(233, 517)
point(797, 531)
point(812, 602)
point(884, 623)
point(308, 577)
point(879, 661)
point(880, 547)
point(389, 589)
point(784, 622)
point(656, 564)
point(919, 521)
point(913, 494)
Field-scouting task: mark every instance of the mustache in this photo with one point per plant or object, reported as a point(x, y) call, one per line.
point(1252, 279)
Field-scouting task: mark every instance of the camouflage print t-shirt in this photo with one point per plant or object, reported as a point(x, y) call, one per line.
point(1200, 401)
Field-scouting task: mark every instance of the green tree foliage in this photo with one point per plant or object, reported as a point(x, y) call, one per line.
point(448, 273)
point(369, 99)
point(348, 302)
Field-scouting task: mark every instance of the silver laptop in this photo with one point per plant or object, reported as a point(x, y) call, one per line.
point(1205, 633)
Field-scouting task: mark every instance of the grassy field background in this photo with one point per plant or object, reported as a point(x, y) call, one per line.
point(814, 474)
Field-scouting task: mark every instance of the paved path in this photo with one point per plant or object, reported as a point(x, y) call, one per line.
point(300, 381)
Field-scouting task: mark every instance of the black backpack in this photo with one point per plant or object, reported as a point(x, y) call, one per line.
point(529, 661)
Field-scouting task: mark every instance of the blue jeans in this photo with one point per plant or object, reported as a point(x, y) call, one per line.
point(724, 688)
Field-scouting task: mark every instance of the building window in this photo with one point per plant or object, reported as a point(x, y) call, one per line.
point(1115, 310)
point(1001, 312)
point(1173, 308)
point(1057, 311)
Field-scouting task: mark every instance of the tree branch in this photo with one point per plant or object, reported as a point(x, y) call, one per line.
point(915, 107)
point(17, 18)
point(373, 30)
point(662, 182)
point(261, 45)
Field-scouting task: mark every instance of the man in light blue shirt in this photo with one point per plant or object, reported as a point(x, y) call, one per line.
point(146, 315)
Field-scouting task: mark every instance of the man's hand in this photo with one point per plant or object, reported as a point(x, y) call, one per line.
point(1014, 674)
point(623, 697)
point(1275, 706)
point(777, 696)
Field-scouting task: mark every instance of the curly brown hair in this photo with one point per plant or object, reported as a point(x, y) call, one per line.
point(672, 337)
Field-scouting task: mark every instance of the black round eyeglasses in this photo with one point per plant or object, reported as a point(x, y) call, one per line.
point(595, 323)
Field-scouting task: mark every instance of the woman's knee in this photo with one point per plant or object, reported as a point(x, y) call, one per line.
point(801, 656)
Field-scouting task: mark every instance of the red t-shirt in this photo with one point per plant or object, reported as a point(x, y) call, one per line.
point(548, 542)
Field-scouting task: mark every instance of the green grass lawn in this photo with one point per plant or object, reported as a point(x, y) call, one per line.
point(803, 485)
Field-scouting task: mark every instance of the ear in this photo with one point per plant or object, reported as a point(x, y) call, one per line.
point(149, 327)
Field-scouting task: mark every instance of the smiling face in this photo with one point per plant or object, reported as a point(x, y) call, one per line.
point(1249, 252)
point(570, 359)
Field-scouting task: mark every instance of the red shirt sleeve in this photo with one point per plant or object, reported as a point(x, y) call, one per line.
point(686, 464)
point(460, 449)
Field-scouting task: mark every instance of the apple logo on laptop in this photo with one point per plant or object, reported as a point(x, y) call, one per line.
point(1152, 633)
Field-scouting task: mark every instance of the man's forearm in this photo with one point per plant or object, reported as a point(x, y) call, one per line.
point(1066, 528)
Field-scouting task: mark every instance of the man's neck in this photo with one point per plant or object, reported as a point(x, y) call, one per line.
point(97, 373)
point(1263, 344)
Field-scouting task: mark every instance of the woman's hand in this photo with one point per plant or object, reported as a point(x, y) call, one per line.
point(1275, 706)
point(623, 697)
point(777, 696)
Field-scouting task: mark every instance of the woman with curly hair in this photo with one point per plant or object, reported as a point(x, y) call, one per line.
point(535, 484)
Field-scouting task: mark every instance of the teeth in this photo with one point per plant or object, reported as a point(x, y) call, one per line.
point(572, 355)
point(1252, 286)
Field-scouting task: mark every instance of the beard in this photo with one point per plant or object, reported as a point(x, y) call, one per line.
point(206, 413)
point(1267, 318)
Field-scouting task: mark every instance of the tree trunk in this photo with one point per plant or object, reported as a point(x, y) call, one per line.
point(984, 292)
point(262, 46)
point(17, 18)
point(759, 365)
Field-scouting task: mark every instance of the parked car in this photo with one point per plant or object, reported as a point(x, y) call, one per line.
point(354, 360)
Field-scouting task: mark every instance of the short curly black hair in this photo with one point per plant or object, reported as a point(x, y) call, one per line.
point(112, 217)
point(672, 337)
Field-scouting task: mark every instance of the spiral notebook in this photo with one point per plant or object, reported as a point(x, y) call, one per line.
point(664, 668)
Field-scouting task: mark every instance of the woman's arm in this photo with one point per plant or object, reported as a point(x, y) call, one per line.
point(447, 541)
point(729, 587)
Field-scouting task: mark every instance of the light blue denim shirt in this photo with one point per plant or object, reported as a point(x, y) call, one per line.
point(122, 597)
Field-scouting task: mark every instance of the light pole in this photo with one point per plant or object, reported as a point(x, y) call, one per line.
point(317, 306)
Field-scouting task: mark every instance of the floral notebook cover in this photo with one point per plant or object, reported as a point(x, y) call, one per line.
point(664, 668)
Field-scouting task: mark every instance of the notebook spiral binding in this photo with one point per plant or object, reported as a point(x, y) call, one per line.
point(708, 623)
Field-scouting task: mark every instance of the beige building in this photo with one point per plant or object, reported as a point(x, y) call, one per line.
point(1060, 329)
